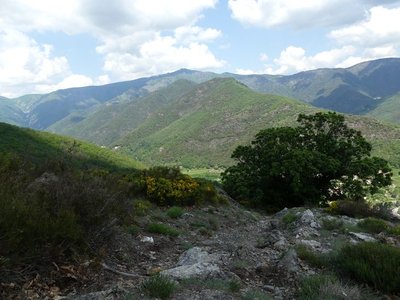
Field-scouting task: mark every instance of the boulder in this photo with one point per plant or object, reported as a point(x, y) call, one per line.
point(195, 262)
point(365, 237)
point(289, 262)
point(308, 218)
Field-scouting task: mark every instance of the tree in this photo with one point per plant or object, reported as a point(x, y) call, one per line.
point(320, 160)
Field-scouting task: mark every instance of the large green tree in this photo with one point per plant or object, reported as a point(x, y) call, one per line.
point(322, 159)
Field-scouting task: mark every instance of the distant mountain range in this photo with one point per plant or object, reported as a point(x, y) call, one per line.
point(197, 118)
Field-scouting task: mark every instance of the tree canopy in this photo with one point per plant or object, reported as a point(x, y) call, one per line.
point(320, 160)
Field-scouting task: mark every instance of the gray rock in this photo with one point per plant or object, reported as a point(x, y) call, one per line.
point(197, 255)
point(198, 270)
point(310, 243)
point(281, 244)
point(289, 262)
point(195, 262)
point(147, 239)
point(308, 218)
point(365, 237)
point(306, 232)
point(269, 288)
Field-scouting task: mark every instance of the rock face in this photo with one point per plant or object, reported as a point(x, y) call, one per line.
point(258, 254)
point(195, 263)
point(308, 218)
point(364, 237)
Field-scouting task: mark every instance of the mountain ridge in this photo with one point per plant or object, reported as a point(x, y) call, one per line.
point(358, 89)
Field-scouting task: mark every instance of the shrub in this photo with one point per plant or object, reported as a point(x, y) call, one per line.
point(175, 212)
point(141, 207)
point(289, 218)
point(162, 229)
point(227, 285)
point(165, 191)
point(255, 295)
point(57, 211)
point(332, 224)
point(159, 286)
point(319, 160)
point(375, 264)
point(314, 259)
point(394, 230)
point(373, 225)
point(329, 287)
point(132, 229)
point(355, 209)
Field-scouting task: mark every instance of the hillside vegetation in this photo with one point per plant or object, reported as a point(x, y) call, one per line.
point(388, 111)
point(59, 195)
point(111, 122)
point(41, 147)
point(357, 90)
point(201, 128)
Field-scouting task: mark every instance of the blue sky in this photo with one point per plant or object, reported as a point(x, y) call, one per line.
point(51, 44)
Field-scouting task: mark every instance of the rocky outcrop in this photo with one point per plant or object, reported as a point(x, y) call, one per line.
point(196, 263)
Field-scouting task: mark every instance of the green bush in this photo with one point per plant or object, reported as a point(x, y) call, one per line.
point(289, 218)
point(314, 259)
point(132, 229)
point(332, 224)
point(354, 209)
point(162, 229)
point(394, 230)
point(318, 287)
point(174, 212)
point(159, 287)
point(375, 264)
point(255, 295)
point(373, 225)
point(141, 207)
point(55, 210)
point(168, 186)
point(321, 159)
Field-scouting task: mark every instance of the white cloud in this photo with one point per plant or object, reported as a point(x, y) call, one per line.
point(190, 34)
point(263, 57)
point(74, 80)
point(25, 64)
point(295, 59)
point(246, 71)
point(125, 29)
point(376, 36)
point(382, 27)
point(295, 13)
point(159, 55)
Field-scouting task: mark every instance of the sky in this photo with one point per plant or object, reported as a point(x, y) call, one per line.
point(47, 45)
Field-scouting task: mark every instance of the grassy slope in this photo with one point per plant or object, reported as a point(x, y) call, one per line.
point(113, 121)
point(10, 113)
point(388, 110)
point(40, 147)
point(202, 128)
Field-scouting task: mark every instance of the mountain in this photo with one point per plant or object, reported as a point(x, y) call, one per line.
point(204, 126)
point(114, 120)
point(42, 147)
point(10, 113)
point(388, 110)
point(356, 90)
point(42, 111)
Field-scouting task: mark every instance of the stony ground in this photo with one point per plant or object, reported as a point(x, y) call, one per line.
point(223, 252)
